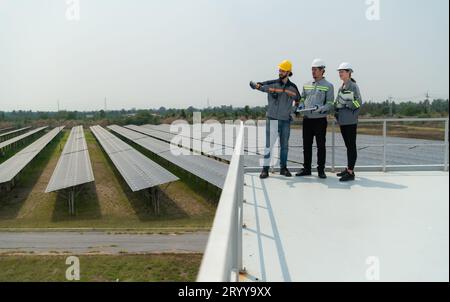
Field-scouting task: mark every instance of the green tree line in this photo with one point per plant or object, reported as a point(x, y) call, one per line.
point(435, 108)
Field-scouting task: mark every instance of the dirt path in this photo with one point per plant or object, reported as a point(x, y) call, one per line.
point(99, 243)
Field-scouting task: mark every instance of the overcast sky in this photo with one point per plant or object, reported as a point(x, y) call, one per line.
point(178, 53)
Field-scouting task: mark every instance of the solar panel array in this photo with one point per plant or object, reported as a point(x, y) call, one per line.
point(74, 166)
point(6, 129)
point(10, 168)
point(14, 131)
point(403, 152)
point(219, 150)
point(21, 137)
point(138, 171)
point(210, 170)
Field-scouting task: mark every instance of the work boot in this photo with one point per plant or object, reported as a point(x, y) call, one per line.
point(303, 172)
point(343, 173)
point(285, 172)
point(322, 174)
point(264, 174)
point(348, 177)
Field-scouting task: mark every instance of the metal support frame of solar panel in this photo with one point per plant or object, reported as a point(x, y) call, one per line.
point(3, 135)
point(16, 139)
point(73, 168)
point(207, 169)
point(138, 170)
point(13, 166)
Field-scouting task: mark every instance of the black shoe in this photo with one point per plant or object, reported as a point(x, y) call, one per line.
point(303, 172)
point(322, 174)
point(348, 177)
point(343, 173)
point(285, 172)
point(264, 174)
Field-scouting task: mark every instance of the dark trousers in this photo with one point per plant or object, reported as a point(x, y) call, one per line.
point(314, 128)
point(349, 135)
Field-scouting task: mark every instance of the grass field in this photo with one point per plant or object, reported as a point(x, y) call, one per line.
point(108, 203)
point(103, 268)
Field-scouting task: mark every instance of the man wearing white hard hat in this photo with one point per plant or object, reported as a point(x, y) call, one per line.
point(317, 100)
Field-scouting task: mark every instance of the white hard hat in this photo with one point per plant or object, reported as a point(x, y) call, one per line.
point(345, 66)
point(318, 63)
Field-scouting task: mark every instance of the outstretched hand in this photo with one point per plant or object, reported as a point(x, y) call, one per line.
point(254, 85)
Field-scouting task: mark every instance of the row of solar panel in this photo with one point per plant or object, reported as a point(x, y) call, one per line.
point(400, 151)
point(74, 165)
point(21, 137)
point(202, 144)
point(14, 165)
point(138, 170)
point(14, 131)
point(210, 170)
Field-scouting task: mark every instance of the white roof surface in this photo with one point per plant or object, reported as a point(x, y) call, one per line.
point(322, 230)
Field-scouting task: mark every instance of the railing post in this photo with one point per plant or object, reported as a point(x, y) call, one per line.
point(446, 146)
point(333, 146)
point(240, 203)
point(384, 144)
point(240, 221)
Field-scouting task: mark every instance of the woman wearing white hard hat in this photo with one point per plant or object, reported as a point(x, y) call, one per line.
point(347, 105)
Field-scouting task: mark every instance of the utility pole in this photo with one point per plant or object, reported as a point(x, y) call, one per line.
point(58, 122)
point(390, 105)
point(427, 103)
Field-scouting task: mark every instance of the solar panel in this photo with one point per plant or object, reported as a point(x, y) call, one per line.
point(217, 150)
point(14, 131)
point(10, 168)
point(21, 137)
point(138, 170)
point(74, 165)
point(6, 129)
point(369, 154)
point(210, 170)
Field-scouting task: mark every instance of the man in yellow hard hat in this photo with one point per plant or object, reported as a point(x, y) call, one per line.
point(282, 94)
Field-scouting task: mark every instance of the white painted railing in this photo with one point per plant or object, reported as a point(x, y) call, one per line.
point(222, 261)
point(384, 167)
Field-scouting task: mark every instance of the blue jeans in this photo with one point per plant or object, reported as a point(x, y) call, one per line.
point(283, 133)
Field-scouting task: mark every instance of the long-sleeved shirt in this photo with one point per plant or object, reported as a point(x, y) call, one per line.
point(281, 98)
point(320, 94)
point(350, 100)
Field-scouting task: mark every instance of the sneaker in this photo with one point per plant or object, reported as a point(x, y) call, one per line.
point(303, 172)
point(285, 172)
point(264, 174)
point(322, 174)
point(343, 173)
point(348, 177)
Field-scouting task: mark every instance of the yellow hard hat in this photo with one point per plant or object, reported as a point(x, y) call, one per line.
point(286, 65)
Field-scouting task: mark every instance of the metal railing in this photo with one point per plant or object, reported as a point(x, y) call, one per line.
point(384, 167)
point(222, 261)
